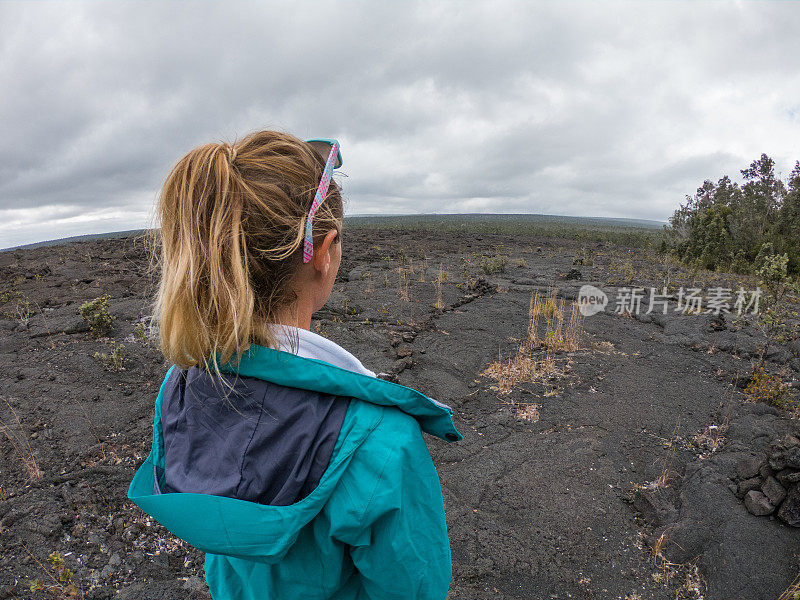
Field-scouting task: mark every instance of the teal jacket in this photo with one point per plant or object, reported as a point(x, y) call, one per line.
point(372, 528)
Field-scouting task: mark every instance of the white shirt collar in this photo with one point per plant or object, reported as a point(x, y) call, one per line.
point(308, 344)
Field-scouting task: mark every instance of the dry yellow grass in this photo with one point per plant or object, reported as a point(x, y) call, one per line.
point(440, 279)
point(521, 367)
point(684, 578)
point(369, 287)
point(666, 474)
point(21, 443)
point(793, 591)
point(528, 412)
point(527, 365)
point(672, 447)
point(402, 284)
point(558, 335)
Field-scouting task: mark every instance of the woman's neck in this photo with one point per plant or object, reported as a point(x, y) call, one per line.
point(297, 314)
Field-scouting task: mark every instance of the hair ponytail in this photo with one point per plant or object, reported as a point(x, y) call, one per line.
point(232, 219)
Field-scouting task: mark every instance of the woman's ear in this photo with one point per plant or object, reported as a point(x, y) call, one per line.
point(322, 257)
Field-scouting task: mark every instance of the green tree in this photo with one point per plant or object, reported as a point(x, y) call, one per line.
point(758, 204)
point(725, 226)
point(787, 227)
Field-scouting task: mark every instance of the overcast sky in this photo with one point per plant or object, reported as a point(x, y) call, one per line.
point(588, 109)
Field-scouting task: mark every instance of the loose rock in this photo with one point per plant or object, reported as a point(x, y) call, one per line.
point(793, 457)
point(657, 506)
point(194, 583)
point(790, 509)
point(758, 504)
point(749, 467)
point(745, 486)
point(774, 491)
point(788, 477)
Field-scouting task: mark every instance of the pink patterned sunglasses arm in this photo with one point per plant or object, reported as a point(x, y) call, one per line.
point(322, 191)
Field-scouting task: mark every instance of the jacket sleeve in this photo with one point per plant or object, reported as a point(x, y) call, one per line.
point(401, 548)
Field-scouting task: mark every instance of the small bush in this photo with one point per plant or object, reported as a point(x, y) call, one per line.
point(21, 309)
point(140, 331)
point(10, 296)
point(628, 271)
point(63, 585)
point(22, 312)
point(95, 313)
point(583, 257)
point(113, 359)
point(494, 264)
point(773, 273)
point(771, 389)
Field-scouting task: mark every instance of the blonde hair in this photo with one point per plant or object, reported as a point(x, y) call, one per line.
point(232, 222)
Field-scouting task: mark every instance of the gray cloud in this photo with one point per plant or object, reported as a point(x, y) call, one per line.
point(606, 109)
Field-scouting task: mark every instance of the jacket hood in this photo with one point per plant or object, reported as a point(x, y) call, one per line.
point(264, 533)
point(287, 369)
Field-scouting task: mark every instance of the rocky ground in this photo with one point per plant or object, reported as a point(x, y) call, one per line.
point(637, 470)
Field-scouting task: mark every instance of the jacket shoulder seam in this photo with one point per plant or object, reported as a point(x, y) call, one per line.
point(392, 451)
point(377, 483)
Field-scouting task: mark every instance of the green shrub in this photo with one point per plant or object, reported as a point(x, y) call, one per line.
point(95, 313)
point(740, 263)
point(140, 331)
point(628, 272)
point(494, 264)
point(113, 359)
point(771, 268)
point(764, 387)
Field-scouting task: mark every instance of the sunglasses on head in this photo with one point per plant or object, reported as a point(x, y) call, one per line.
point(329, 150)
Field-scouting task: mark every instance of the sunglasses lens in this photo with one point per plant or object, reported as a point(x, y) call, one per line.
point(324, 149)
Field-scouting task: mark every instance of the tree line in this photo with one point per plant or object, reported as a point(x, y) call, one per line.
point(741, 229)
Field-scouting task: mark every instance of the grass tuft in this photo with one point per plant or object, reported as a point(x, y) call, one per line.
point(534, 358)
point(557, 335)
point(21, 443)
point(793, 591)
